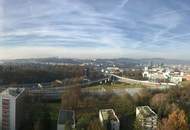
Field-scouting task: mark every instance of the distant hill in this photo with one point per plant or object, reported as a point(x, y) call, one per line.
point(118, 61)
point(165, 61)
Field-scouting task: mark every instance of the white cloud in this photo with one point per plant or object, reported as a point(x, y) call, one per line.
point(29, 52)
point(84, 52)
point(50, 22)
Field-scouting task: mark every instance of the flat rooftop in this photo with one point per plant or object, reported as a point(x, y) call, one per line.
point(109, 114)
point(146, 111)
point(66, 116)
point(12, 92)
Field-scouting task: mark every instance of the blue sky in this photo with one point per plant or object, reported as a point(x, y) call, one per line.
point(95, 28)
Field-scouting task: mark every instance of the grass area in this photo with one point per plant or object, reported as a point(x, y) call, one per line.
point(120, 85)
point(110, 87)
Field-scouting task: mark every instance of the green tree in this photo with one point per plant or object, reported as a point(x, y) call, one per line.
point(71, 98)
point(124, 105)
point(138, 125)
point(83, 122)
point(68, 125)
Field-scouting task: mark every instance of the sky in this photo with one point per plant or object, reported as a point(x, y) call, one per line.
point(95, 29)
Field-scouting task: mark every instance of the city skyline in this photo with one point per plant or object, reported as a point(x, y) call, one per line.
point(94, 29)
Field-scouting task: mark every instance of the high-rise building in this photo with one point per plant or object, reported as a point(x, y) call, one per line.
point(11, 108)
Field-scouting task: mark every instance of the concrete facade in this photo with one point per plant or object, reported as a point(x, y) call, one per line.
point(109, 119)
point(11, 108)
point(146, 117)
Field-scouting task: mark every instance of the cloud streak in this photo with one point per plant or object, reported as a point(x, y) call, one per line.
point(81, 25)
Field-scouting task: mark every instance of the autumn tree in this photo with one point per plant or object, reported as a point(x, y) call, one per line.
point(177, 120)
point(158, 99)
point(89, 102)
point(71, 98)
point(160, 103)
point(143, 97)
point(95, 125)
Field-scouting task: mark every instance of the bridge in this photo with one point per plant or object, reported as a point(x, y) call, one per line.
point(56, 92)
point(146, 83)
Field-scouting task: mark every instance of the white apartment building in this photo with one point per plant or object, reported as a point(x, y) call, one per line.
point(162, 75)
point(113, 70)
point(109, 119)
point(66, 117)
point(11, 108)
point(147, 117)
point(176, 79)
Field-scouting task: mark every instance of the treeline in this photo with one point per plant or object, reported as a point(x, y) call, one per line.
point(172, 107)
point(37, 73)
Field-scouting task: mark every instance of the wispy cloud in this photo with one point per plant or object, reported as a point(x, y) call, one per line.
point(121, 27)
point(120, 7)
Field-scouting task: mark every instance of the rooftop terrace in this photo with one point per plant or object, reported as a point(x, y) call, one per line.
point(12, 92)
point(109, 114)
point(146, 111)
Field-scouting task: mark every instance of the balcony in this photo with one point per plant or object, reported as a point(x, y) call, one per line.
point(5, 107)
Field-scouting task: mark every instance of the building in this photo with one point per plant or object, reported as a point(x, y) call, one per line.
point(66, 119)
point(146, 117)
point(154, 74)
point(176, 79)
point(11, 108)
point(160, 75)
point(114, 70)
point(109, 119)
